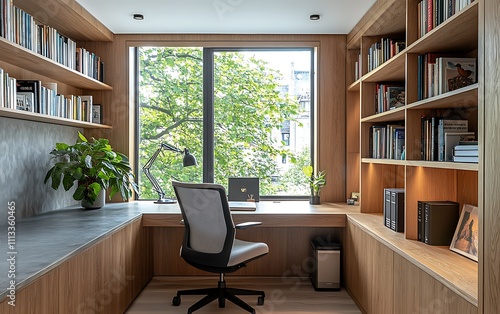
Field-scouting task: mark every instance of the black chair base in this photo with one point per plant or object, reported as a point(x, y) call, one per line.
point(221, 293)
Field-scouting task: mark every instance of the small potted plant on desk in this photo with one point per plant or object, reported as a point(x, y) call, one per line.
point(94, 167)
point(316, 182)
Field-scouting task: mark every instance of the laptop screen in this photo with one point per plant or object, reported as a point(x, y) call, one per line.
point(243, 189)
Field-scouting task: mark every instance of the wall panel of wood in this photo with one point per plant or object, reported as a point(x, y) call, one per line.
point(118, 110)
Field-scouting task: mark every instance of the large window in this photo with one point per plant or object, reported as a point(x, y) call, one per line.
point(242, 113)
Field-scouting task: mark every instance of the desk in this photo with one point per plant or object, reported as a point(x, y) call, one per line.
point(58, 251)
point(287, 228)
point(271, 214)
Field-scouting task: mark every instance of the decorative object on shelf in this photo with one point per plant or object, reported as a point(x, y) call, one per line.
point(188, 160)
point(316, 182)
point(96, 114)
point(466, 238)
point(93, 166)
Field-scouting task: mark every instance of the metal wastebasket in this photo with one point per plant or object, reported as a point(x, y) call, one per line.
point(326, 271)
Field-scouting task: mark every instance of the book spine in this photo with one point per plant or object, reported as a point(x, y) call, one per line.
point(393, 210)
point(387, 208)
point(427, 228)
point(420, 222)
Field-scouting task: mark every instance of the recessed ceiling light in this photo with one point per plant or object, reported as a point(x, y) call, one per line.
point(314, 17)
point(138, 17)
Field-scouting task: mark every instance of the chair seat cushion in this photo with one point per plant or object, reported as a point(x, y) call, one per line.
point(244, 251)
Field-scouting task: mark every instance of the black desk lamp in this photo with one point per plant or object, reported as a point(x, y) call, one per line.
point(188, 160)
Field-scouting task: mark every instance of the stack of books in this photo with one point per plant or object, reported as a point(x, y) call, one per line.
point(466, 151)
point(432, 13)
point(387, 141)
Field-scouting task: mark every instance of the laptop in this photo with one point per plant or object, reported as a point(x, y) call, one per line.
point(243, 189)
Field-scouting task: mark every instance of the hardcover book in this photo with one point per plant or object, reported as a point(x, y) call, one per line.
point(25, 101)
point(397, 209)
point(34, 87)
point(440, 219)
point(456, 73)
point(449, 126)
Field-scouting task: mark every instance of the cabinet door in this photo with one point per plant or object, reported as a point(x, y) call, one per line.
point(417, 292)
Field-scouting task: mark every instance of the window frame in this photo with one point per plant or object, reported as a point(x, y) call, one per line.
point(208, 105)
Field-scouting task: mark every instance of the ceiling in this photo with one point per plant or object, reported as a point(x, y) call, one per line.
point(229, 16)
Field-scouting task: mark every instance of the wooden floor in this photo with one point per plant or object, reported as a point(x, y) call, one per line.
point(283, 295)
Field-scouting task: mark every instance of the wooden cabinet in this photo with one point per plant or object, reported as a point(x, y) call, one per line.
point(382, 275)
point(104, 278)
point(69, 18)
point(422, 180)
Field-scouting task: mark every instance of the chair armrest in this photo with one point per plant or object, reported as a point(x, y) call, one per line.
point(245, 225)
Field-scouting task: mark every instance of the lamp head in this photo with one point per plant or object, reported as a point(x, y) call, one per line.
point(189, 159)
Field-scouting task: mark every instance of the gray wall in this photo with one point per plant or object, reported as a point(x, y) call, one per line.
point(24, 161)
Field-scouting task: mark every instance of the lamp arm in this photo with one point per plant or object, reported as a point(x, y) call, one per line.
point(171, 148)
point(146, 169)
point(149, 163)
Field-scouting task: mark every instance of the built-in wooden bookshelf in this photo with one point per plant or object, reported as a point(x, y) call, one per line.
point(72, 20)
point(68, 17)
point(422, 180)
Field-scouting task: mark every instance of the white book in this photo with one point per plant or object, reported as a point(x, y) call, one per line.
point(2, 85)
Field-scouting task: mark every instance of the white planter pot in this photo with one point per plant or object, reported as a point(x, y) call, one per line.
point(99, 202)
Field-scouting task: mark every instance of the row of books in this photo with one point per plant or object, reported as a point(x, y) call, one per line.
point(383, 50)
point(439, 74)
point(387, 141)
point(394, 209)
point(466, 151)
point(437, 221)
point(440, 135)
point(389, 96)
point(32, 96)
point(21, 28)
point(431, 13)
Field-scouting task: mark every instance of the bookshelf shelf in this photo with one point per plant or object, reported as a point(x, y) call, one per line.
point(465, 97)
point(28, 60)
point(397, 114)
point(391, 70)
point(30, 116)
point(443, 165)
point(383, 161)
point(68, 17)
point(458, 33)
point(354, 87)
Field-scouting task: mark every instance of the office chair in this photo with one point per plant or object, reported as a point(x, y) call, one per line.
point(209, 243)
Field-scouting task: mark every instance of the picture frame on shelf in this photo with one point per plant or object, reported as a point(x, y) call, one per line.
point(97, 113)
point(466, 238)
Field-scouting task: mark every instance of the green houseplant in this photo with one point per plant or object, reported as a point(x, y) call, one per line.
point(94, 167)
point(316, 182)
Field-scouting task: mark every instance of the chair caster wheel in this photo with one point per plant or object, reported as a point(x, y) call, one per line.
point(260, 301)
point(176, 301)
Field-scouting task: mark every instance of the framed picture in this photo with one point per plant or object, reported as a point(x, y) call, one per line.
point(466, 238)
point(96, 113)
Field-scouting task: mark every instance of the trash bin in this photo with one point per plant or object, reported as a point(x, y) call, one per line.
point(326, 273)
